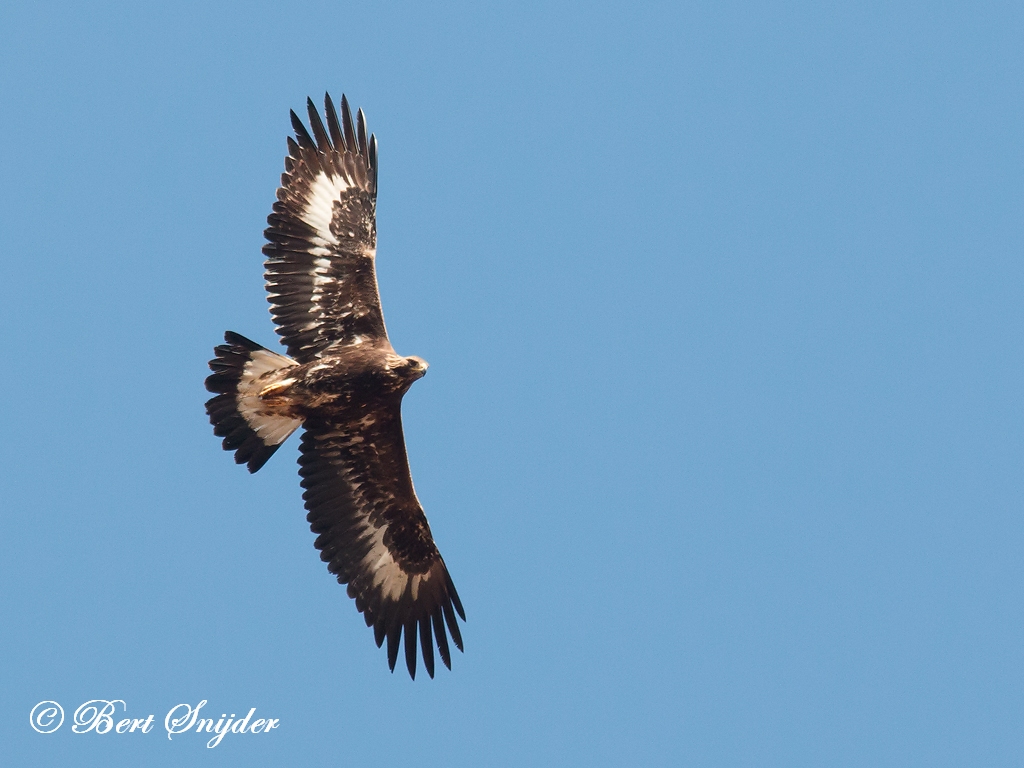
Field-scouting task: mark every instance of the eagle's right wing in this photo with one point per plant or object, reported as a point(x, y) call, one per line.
point(320, 274)
point(374, 536)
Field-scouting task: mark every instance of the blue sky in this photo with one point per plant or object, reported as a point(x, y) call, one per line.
point(722, 435)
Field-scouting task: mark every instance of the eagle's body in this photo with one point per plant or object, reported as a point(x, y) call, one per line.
point(342, 388)
point(343, 384)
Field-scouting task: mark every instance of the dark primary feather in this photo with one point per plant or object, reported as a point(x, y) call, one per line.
point(321, 282)
point(332, 124)
point(346, 123)
point(322, 142)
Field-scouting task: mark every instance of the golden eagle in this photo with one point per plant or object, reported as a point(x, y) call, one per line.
point(343, 384)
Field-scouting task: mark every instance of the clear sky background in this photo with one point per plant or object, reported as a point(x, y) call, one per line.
point(722, 438)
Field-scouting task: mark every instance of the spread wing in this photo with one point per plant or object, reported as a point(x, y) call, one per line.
point(373, 535)
point(320, 275)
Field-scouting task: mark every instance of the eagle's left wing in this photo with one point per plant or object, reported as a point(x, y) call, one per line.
point(374, 536)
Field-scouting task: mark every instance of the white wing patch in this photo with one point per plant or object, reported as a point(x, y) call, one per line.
point(264, 368)
point(324, 192)
point(388, 575)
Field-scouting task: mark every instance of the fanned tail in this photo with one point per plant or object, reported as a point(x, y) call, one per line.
point(241, 369)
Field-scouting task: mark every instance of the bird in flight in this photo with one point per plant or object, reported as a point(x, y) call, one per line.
point(343, 383)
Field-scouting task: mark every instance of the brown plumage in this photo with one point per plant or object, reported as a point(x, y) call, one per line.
point(343, 384)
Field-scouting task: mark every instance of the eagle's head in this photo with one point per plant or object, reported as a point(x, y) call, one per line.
point(417, 367)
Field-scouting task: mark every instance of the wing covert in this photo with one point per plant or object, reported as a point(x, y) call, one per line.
point(322, 236)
